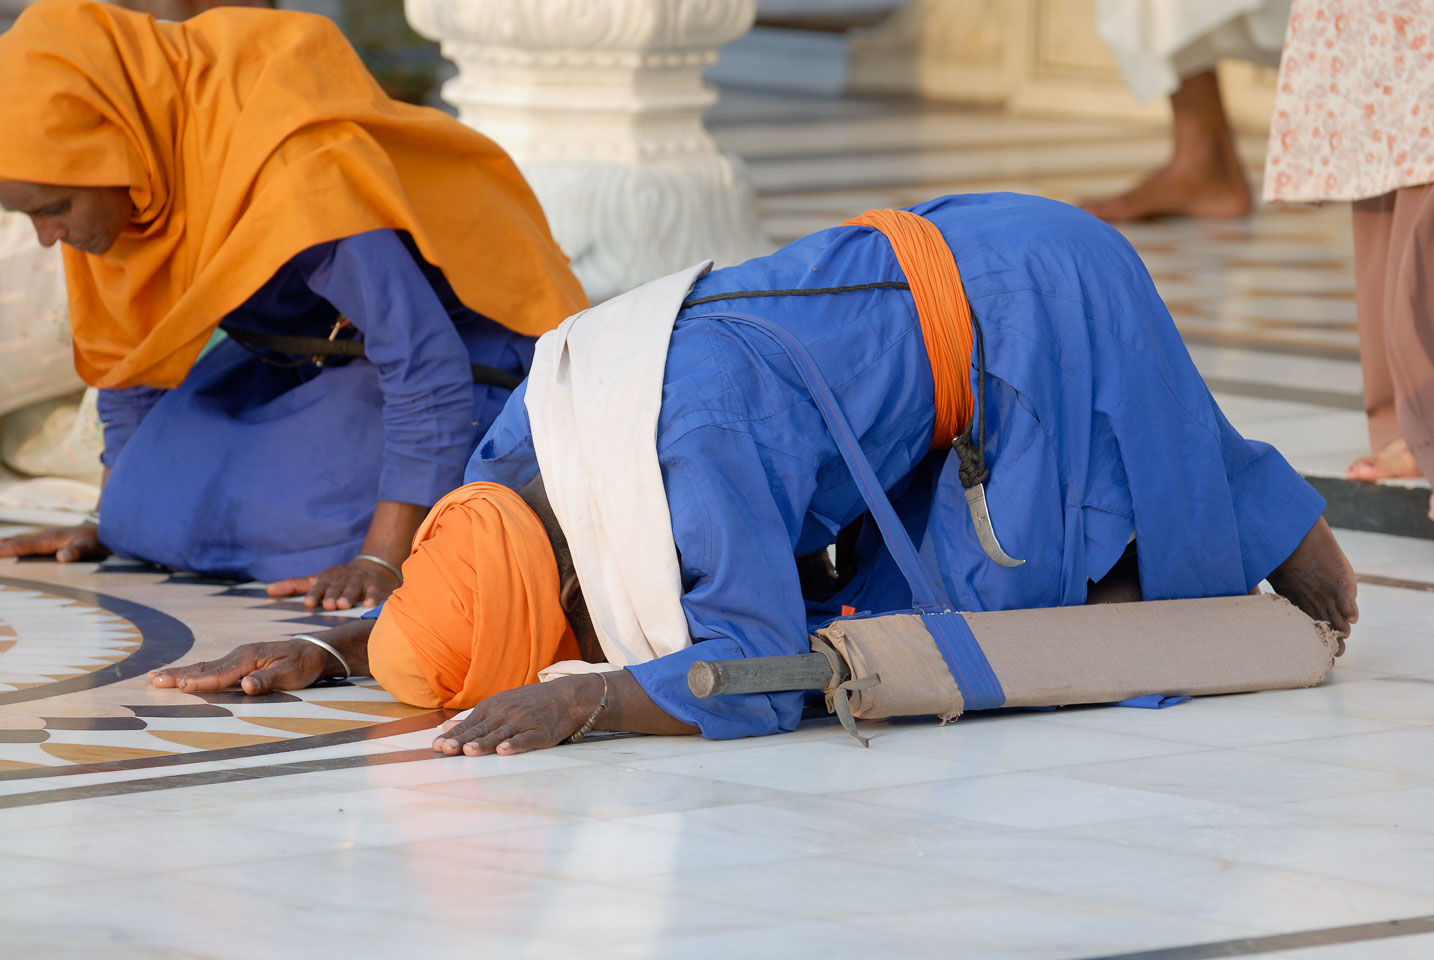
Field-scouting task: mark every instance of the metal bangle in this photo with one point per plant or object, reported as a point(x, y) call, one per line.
point(330, 648)
point(397, 573)
point(587, 726)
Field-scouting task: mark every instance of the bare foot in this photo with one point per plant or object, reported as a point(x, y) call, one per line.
point(1212, 193)
point(1319, 580)
point(1204, 177)
point(1391, 460)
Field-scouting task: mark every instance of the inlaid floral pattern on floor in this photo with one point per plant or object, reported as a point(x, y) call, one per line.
point(73, 659)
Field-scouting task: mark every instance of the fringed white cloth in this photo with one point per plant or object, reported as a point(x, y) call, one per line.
point(594, 395)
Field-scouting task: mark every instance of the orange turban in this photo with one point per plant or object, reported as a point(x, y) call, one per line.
point(478, 610)
point(245, 137)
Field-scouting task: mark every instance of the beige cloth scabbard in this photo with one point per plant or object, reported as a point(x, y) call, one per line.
point(1093, 654)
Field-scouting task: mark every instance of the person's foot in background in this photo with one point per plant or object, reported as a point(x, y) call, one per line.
point(1204, 177)
point(1393, 460)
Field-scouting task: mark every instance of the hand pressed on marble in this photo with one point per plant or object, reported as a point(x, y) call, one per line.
point(341, 587)
point(256, 668)
point(291, 664)
point(545, 714)
point(525, 718)
point(390, 533)
point(68, 544)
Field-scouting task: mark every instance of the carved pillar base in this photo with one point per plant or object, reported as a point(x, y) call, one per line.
point(601, 106)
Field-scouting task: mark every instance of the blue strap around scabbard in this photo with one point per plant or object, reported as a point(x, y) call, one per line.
point(980, 689)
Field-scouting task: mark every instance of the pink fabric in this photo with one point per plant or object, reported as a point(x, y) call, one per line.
point(1354, 110)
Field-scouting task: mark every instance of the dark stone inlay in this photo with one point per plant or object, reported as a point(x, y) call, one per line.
point(1274, 391)
point(423, 721)
point(1375, 507)
point(180, 711)
point(206, 580)
point(163, 640)
point(1249, 946)
point(239, 696)
point(328, 621)
point(94, 723)
point(175, 781)
point(296, 606)
point(136, 566)
point(256, 592)
point(23, 736)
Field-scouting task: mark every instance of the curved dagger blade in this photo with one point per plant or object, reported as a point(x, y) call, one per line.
point(981, 520)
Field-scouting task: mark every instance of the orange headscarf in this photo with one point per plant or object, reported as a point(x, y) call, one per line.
point(478, 610)
point(245, 137)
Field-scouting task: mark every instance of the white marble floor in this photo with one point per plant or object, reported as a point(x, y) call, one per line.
point(162, 826)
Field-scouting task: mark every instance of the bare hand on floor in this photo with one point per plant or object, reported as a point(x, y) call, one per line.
point(342, 587)
point(68, 544)
point(525, 718)
point(256, 668)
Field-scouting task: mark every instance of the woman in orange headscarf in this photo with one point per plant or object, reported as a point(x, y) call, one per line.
point(242, 171)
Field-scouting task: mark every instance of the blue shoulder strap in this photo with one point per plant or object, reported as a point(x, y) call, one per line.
point(979, 686)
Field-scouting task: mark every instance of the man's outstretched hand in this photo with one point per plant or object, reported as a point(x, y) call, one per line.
point(545, 714)
point(362, 581)
point(256, 668)
point(525, 718)
point(340, 588)
point(67, 544)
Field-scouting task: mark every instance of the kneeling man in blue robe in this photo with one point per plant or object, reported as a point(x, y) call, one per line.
point(667, 486)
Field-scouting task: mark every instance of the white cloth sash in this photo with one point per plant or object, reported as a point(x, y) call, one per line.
point(594, 395)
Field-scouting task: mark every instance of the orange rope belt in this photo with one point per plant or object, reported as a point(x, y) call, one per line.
point(942, 309)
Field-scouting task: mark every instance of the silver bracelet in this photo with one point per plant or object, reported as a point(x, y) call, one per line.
point(397, 573)
point(330, 648)
point(587, 727)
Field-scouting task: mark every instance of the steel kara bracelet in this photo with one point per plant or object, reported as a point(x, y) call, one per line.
point(397, 573)
point(330, 648)
point(587, 727)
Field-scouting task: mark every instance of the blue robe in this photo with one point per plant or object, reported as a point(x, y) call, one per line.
point(248, 469)
point(1099, 428)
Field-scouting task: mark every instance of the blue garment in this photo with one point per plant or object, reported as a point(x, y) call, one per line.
point(254, 470)
point(1098, 428)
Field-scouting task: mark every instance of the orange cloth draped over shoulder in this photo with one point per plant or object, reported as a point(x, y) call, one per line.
point(941, 307)
point(478, 611)
point(246, 136)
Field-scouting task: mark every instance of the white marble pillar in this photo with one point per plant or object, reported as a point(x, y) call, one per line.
point(600, 102)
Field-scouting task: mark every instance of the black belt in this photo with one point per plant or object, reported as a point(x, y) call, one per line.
point(312, 349)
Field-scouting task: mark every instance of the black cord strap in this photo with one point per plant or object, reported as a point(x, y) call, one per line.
point(307, 348)
point(973, 455)
point(803, 292)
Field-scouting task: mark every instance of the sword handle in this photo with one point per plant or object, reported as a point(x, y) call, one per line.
point(803, 671)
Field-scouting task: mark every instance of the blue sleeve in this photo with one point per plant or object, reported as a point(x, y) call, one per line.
point(734, 519)
point(505, 454)
point(121, 412)
point(423, 367)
